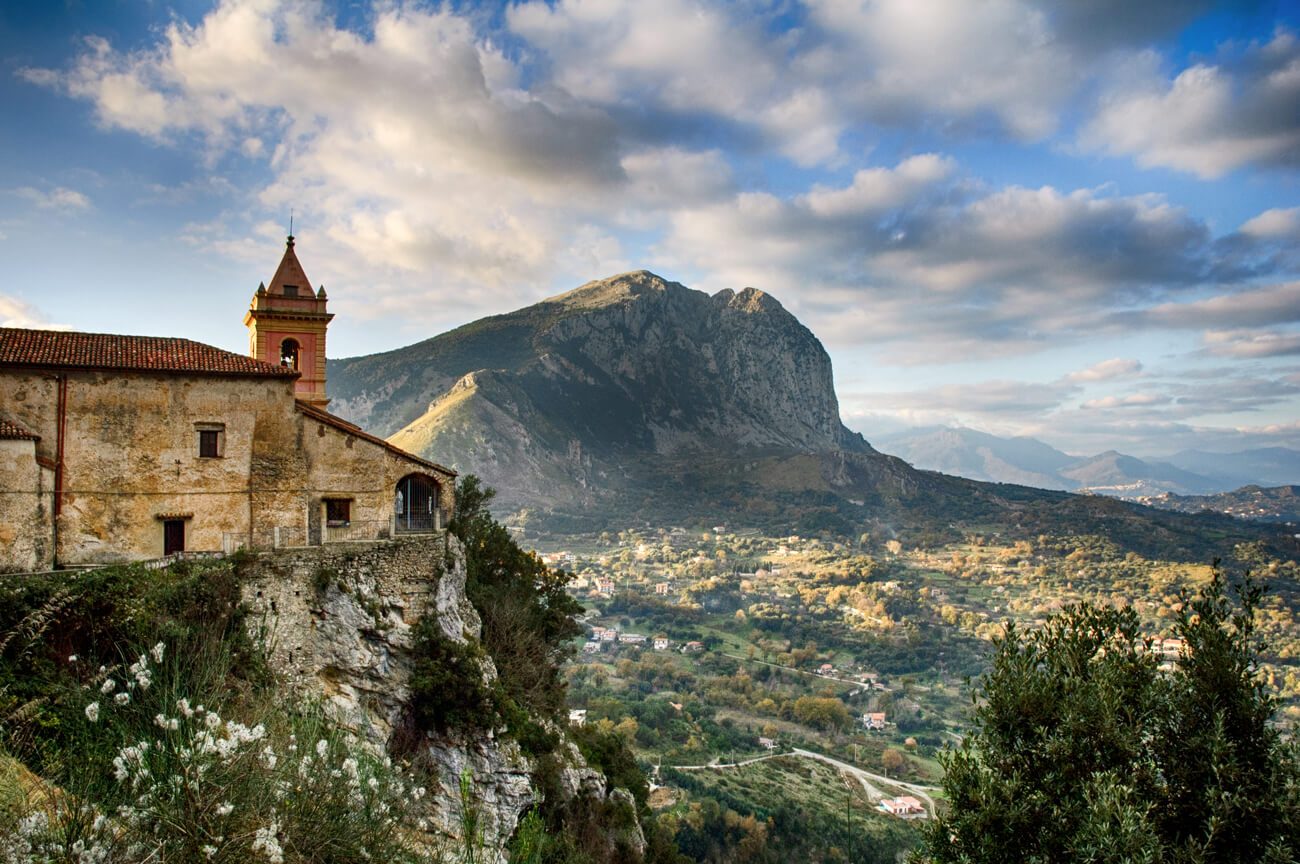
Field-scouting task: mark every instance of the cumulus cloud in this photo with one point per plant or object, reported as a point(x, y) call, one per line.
point(411, 146)
point(1210, 118)
point(933, 267)
point(59, 198)
point(946, 60)
point(673, 63)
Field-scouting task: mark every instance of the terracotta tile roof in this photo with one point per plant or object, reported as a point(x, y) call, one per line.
point(352, 429)
point(60, 349)
point(13, 432)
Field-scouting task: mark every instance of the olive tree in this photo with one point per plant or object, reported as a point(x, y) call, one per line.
point(1084, 749)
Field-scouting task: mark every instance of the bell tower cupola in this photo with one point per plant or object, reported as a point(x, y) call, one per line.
point(286, 323)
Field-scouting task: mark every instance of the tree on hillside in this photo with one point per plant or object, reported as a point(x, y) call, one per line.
point(527, 615)
point(1084, 750)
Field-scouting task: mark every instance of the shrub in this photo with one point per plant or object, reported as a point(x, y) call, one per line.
point(447, 689)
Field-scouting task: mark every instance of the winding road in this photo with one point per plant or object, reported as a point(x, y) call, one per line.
point(866, 778)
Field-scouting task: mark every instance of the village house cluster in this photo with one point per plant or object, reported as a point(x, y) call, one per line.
point(125, 448)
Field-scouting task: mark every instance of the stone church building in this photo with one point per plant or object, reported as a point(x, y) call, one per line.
point(126, 448)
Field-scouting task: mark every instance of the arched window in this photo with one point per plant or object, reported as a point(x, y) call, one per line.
point(415, 504)
point(289, 353)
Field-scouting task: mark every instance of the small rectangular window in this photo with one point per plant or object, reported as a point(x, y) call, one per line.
point(291, 290)
point(212, 440)
point(337, 512)
point(209, 443)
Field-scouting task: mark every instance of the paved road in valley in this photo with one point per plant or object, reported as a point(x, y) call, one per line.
point(866, 778)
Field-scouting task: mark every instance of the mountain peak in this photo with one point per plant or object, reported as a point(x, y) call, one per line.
point(613, 290)
point(753, 300)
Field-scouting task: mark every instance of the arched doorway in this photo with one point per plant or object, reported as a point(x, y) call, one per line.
point(415, 505)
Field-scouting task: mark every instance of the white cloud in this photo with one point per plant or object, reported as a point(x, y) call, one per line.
point(680, 59)
point(931, 268)
point(1131, 400)
point(1106, 370)
point(1252, 343)
point(1272, 224)
point(59, 198)
point(1251, 307)
point(1209, 119)
point(19, 313)
point(951, 59)
point(410, 149)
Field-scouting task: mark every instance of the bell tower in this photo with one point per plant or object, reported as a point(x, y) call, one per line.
point(286, 324)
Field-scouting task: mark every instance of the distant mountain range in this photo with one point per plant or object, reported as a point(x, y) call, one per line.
point(636, 400)
point(981, 456)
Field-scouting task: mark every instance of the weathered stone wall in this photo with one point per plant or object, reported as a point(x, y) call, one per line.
point(131, 455)
point(26, 530)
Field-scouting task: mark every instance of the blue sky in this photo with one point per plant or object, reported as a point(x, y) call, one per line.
point(1078, 221)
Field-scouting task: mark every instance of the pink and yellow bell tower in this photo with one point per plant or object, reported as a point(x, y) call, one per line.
point(286, 323)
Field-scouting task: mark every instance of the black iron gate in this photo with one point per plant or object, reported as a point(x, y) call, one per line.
point(416, 505)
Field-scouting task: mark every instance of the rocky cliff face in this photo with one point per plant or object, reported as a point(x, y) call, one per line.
point(337, 621)
point(559, 401)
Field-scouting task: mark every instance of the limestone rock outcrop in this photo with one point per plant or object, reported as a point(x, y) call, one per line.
point(337, 621)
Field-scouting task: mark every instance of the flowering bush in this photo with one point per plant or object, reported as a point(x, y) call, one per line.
point(186, 784)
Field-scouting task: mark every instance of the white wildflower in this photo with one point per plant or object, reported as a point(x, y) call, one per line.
point(183, 706)
point(268, 757)
point(36, 823)
point(122, 698)
point(213, 720)
point(266, 842)
point(209, 852)
point(92, 712)
point(419, 792)
point(108, 686)
point(157, 652)
point(373, 784)
point(225, 808)
point(72, 658)
point(321, 747)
